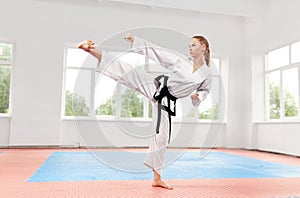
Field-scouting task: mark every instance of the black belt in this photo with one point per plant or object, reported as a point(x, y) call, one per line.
point(164, 92)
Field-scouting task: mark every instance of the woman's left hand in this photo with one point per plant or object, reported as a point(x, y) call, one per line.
point(129, 37)
point(195, 97)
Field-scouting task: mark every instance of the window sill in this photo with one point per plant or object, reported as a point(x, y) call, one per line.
point(147, 120)
point(4, 115)
point(278, 122)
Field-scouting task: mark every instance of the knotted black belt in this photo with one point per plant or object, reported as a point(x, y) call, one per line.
point(164, 92)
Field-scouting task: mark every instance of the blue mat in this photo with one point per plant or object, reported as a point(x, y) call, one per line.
point(84, 166)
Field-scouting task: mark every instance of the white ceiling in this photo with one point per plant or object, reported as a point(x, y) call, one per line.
point(242, 8)
point(239, 8)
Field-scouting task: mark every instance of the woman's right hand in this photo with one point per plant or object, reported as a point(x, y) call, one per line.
point(86, 45)
point(195, 97)
point(129, 37)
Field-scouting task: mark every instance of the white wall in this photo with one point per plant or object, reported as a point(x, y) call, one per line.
point(4, 133)
point(278, 137)
point(132, 134)
point(277, 28)
point(41, 29)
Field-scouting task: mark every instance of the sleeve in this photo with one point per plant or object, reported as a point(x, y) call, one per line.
point(165, 57)
point(202, 91)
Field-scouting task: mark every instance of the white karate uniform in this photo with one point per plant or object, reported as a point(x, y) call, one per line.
point(182, 82)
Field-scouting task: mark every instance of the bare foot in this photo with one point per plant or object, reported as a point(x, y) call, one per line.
point(160, 183)
point(89, 46)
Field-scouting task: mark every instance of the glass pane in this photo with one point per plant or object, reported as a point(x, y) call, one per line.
point(278, 58)
point(290, 92)
point(209, 108)
point(4, 88)
point(179, 109)
point(132, 103)
point(78, 91)
point(5, 52)
point(80, 58)
point(273, 94)
point(295, 52)
point(105, 95)
point(150, 109)
point(215, 65)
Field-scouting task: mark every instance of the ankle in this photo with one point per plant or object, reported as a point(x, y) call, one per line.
point(156, 179)
point(156, 176)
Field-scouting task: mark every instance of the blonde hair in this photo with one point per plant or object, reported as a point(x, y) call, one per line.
point(204, 41)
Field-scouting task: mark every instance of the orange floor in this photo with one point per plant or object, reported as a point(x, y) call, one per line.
point(17, 165)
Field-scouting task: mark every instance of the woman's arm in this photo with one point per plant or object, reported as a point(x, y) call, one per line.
point(165, 57)
point(202, 92)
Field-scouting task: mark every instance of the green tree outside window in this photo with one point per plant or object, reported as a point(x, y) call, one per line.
point(274, 103)
point(108, 108)
point(4, 88)
point(5, 71)
point(132, 105)
point(75, 105)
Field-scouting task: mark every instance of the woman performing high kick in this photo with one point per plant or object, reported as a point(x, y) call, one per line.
point(186, 78)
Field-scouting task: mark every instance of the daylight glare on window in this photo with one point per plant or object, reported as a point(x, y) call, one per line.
point(295, 52)
point(278, 58)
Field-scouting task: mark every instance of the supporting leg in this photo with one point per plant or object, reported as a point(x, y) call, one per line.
point(157, 148)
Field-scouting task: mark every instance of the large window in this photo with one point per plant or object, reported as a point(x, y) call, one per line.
point(91, 94)
point(6, 62)
point(209, 108)
point(282, 70)
point(78, 78)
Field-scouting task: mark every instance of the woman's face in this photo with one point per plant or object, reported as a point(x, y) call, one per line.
point(196, 48)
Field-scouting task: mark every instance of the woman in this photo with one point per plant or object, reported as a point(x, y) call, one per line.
point(185, 79)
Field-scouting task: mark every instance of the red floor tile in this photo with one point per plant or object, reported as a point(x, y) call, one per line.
point(17, 165)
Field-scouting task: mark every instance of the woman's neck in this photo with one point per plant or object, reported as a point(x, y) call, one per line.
point(198, 62)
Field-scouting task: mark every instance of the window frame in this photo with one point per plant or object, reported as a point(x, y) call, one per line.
point(10, 64)
point(281, 70)
point(219, 77)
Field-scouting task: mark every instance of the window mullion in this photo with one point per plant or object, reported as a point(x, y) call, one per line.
point(298, 92)
point(267, 98)
point(281, 97)
point(145, 100)
point(290, 54)
point(118, 101)
point(146, 107)
point(92, 94)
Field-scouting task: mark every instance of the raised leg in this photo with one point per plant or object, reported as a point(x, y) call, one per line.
point(134, 77)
